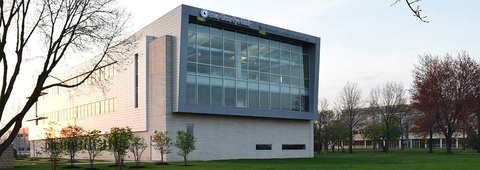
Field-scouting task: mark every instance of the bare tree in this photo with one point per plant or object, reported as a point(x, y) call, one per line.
point(416, 10)
point(388, 102)
point(67, 27)
point(350, 108)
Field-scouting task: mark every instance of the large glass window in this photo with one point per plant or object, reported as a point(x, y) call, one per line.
point(204, 90)
point(236, 69)
point(264, 59)
point(264, 96)
point(191, 89)
point(241, 94)
point(191, 93)
point(230, 92)
point(275, 61)
point(192, 46)
point(253, 97)
point(275, 97)
point(217, 51)
point(203, 53)
point(229, 53)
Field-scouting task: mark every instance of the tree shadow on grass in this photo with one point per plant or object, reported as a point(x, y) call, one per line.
point(71, 167)
point(162, 163)
point(91, 169)
point(137, 167)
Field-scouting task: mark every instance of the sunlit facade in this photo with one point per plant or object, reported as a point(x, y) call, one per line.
point(244, 89)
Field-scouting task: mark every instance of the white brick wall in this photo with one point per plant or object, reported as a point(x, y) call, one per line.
point(229, 137)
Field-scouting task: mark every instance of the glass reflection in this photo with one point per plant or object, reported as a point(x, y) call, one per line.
point(228, 68)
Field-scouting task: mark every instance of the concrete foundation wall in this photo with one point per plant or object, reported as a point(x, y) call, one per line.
point(6, 160)
point(228, 137)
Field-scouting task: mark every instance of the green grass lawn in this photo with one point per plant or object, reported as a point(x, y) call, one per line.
point(362, 159)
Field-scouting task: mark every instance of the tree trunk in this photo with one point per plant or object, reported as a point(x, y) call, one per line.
point(117, 158)
point(72, 157)
point(120, 165)
point(91, 163)
point(137, 161)
point(325, 145)
point(463, 140)
point(53, 164)
point(448, 137)
point(319, 147)
point(401, 142)
point(161, 157)
point(478, 133)
point(381, 143)
point(387, 138)
point(350, 142)
point(185, 160)
point(430, 142)
point(449, 143)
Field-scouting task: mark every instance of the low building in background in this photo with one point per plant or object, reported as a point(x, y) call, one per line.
point(21, 142)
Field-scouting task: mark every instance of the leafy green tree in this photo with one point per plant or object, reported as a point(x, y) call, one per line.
point(53, 144)
point(137, 147)
point(335, 133)
point(72, 141)
point(119, 140)
point(376, 133)
point(162, 143)
point(185, 142)
point(94, 145)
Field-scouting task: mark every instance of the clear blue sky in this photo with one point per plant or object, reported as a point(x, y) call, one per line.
point(368, 42)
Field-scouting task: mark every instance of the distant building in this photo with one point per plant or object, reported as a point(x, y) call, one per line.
point(246, 90)
point(21, 142)
point(410, 139)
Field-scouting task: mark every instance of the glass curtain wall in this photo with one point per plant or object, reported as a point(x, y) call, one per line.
point(235, 69)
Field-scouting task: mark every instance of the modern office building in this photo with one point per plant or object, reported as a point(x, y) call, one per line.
point(243, 88)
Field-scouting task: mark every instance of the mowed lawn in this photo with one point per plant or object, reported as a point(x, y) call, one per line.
point(362, 159)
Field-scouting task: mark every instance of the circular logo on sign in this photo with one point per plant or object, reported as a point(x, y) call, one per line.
point(204, 13)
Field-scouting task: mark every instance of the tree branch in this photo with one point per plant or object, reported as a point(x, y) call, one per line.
point(416, 11)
